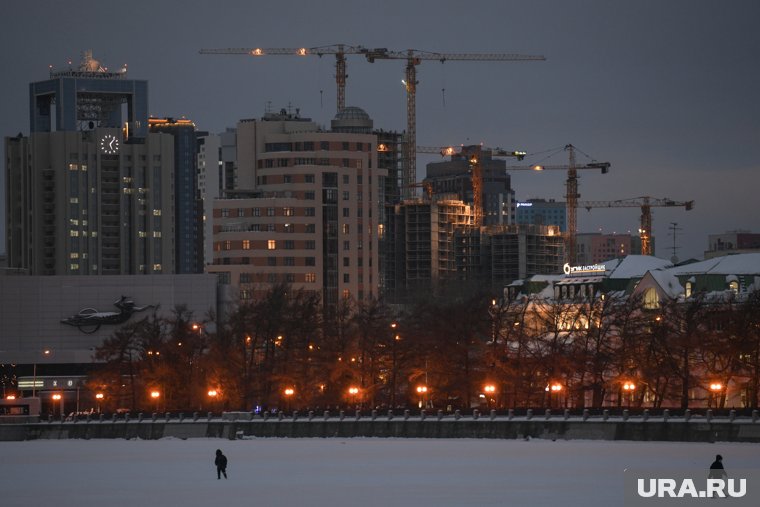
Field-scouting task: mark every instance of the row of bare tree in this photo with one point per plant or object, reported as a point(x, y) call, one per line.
point(454, 343)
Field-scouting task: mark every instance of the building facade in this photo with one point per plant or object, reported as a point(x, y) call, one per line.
point(308, 211)
point(90, 191)
point(188, 205)
point(732, 242)
point(542, 212)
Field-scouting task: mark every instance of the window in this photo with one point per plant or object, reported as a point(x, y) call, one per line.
point(345, 179)
point(311, 244)
point(270, 228)
point(245, 278)
point(290, 261)
point(271, 261)
point(228, 245)
point(324, 145)
point(310, 261)
point(345, 195)
point(346, 245)
point(289, 244)
point(733, 286)
point(309, 178)
point(345, 228)
point(359, 178)
point(288, 212)
point(256, 212)
point(289, 228)
point(311, 228)
point(310, 212)
point(346, 262)
point(346, 293)
point(225, 212)
point(651, 299)
point(345, 146)
point(286, 178)
point(271, 244)
point(346, 278)
point(241, 212)
point(309, 196)
point(689, 288)
point(311, 277)
point(290, 277)
point(246, 244)
point(346, 213)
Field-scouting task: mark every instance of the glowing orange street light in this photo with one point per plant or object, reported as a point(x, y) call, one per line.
point(490, 388)
point(10, 397)
point(59, 397)
point(155, 395)
point(716, 387)
point(422, 391)
point(99, 397)
point(629, 386)
point(213, 393)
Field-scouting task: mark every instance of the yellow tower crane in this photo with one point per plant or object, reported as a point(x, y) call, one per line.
point(474, 155)
point(646, 204)
point(413, 58)
point(571, 194)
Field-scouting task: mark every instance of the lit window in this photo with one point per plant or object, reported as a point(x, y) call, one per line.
point(246, 244)
point(734, 287)
point(228, 245)
point(73, 255)
point(156, 234)
point(311, 277)
point(689, 288)
point(156, 212)
point(272, 244)
point(651, 299)
point(73, 233)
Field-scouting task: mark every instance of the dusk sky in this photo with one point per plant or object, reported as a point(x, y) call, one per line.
point(668, 92)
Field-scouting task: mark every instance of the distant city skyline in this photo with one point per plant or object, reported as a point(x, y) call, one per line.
point(665, 92)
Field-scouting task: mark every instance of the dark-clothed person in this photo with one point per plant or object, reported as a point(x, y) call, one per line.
point(221, 464)
point(716, 469)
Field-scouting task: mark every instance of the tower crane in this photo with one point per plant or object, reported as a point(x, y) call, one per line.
point(646, 204)
point(571, 195)
point(474, 154)
point(413, 58)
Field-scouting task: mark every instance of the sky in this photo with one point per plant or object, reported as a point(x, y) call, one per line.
point(348, 472)
point(667, 92)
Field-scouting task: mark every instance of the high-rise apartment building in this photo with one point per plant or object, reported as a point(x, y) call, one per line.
point(89, 191)
point(188, 206)
point(593, 248)
point(307, 211)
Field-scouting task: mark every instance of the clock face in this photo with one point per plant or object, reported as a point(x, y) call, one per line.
point(109, 144)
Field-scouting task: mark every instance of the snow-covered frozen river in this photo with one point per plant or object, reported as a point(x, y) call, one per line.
point(339, 472)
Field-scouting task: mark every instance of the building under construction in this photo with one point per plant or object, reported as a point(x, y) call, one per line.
point(437, 242)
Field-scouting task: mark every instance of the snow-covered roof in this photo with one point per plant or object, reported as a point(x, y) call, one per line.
point(634, 266)
point(739, 264)
point(668, 283)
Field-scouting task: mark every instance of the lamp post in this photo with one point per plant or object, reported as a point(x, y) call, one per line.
point(99, 398)
point(394, 339)
point(422, 392)
point(554, 388)
point(156, 395)
point(59, 397)
point(288, 392)
point(716, 389)
point(489, 390)
point(629, 387)
point(353, 393)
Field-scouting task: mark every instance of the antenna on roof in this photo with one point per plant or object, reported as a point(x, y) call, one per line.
point(674, 232)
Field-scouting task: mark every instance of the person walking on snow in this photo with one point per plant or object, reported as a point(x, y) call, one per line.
point(221, 464)
point(716, 469)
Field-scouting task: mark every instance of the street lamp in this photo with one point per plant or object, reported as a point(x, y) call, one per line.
point(422, 392)
point(629, 387)
point(99, 397)
point(156, 395)
point(553, 388)
point(289, 392)
point(59, 397)
point(354, 394)
point(489, 390)
point(716, 388)
point(394, 340)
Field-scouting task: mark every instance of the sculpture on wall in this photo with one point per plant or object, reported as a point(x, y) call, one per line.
point(89, 320)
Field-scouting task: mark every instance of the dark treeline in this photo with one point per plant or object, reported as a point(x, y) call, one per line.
point(535, 353)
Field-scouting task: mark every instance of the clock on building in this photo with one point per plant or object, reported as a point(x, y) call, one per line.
point(109, 144)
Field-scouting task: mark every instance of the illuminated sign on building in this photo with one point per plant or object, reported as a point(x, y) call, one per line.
point(524, 204)
point(583, 270)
